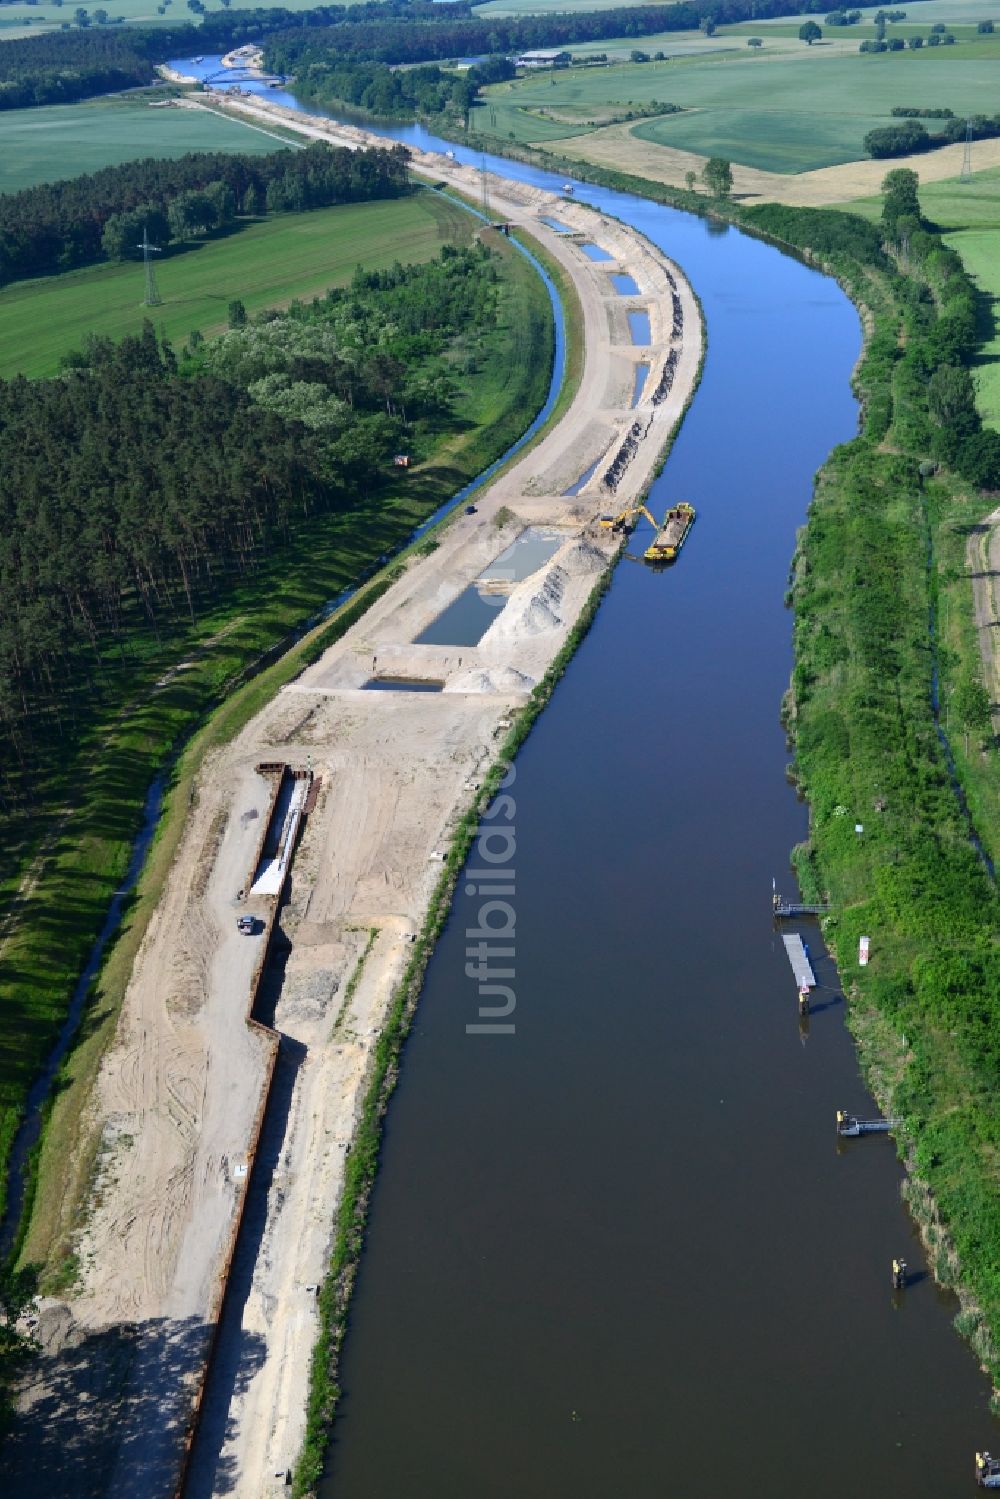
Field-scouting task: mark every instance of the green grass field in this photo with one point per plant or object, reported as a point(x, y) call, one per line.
point(43, 145)
point(265, 264)
point(783, 112)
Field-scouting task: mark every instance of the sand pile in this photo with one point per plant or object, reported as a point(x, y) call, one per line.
point(583, 558)
point(498, 679)
point(535, 606)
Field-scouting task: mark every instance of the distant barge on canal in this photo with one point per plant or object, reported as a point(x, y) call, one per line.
point(672, 534)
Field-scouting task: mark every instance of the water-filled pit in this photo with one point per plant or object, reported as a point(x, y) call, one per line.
point(641, 371)
point(638, 326)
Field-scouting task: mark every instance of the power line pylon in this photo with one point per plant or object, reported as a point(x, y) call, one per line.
point(967, 156)
point(152, 297)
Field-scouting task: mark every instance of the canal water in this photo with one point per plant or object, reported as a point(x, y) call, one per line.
point(619, 1251)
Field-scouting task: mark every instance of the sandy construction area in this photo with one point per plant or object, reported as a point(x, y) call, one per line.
point(178, 1094)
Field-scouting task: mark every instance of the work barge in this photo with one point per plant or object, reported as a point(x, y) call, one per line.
point(672, 535)
point(669, 537)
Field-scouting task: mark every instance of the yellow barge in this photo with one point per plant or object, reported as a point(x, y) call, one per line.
point(672, 534)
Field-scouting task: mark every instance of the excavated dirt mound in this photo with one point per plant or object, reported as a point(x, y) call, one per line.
point(498, 679)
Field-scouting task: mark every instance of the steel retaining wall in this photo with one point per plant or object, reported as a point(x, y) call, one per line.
point(272, 1041)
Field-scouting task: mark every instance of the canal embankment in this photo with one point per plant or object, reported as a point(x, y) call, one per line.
point(398, 774)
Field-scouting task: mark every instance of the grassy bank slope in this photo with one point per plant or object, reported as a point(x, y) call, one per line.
point(265, 264)
point(881, 545)
point(118, 756)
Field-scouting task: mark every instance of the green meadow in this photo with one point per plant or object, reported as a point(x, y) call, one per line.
point(787, 111)
point(63, 140)
point(265, 264)
point(970, 213)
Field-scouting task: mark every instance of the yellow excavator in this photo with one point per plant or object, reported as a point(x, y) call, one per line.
point(627, 519)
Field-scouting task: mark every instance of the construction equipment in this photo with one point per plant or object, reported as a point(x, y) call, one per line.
point(672, 535)
point(627, 519)
point(987, 1471)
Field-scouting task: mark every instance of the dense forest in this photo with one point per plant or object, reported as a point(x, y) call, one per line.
point(104, 529)
point(62, 66)
point(414, 40)
point(55, 226)
point(77, 64)
point(400, 92)
point(58, 67)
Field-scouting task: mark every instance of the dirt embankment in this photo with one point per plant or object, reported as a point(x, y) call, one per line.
point(177, 1094)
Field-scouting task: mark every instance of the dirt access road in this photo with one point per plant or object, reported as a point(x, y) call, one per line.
point(177, 1095)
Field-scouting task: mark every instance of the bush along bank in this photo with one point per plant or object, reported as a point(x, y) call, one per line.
point(871, 748)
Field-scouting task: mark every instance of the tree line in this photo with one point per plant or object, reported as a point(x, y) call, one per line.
point(55, 226)
point(400, 93)
point(136, 489)
point(943, 332)
point(415, 40)
point(60, 67)
point(911, 136)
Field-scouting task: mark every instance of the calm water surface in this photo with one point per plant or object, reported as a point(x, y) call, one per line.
point(639, 381)
point(638, 327)
point(619, 1253)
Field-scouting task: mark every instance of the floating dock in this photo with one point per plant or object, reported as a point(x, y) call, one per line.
point(850, 1127)
point(782, 907)
point(799, 959)
point(987, 1470)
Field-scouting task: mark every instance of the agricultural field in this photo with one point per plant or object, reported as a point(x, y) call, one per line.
point(64, 140)
point(970, 213)
point(45, 16)
point(264, 264)
point(790, 111)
